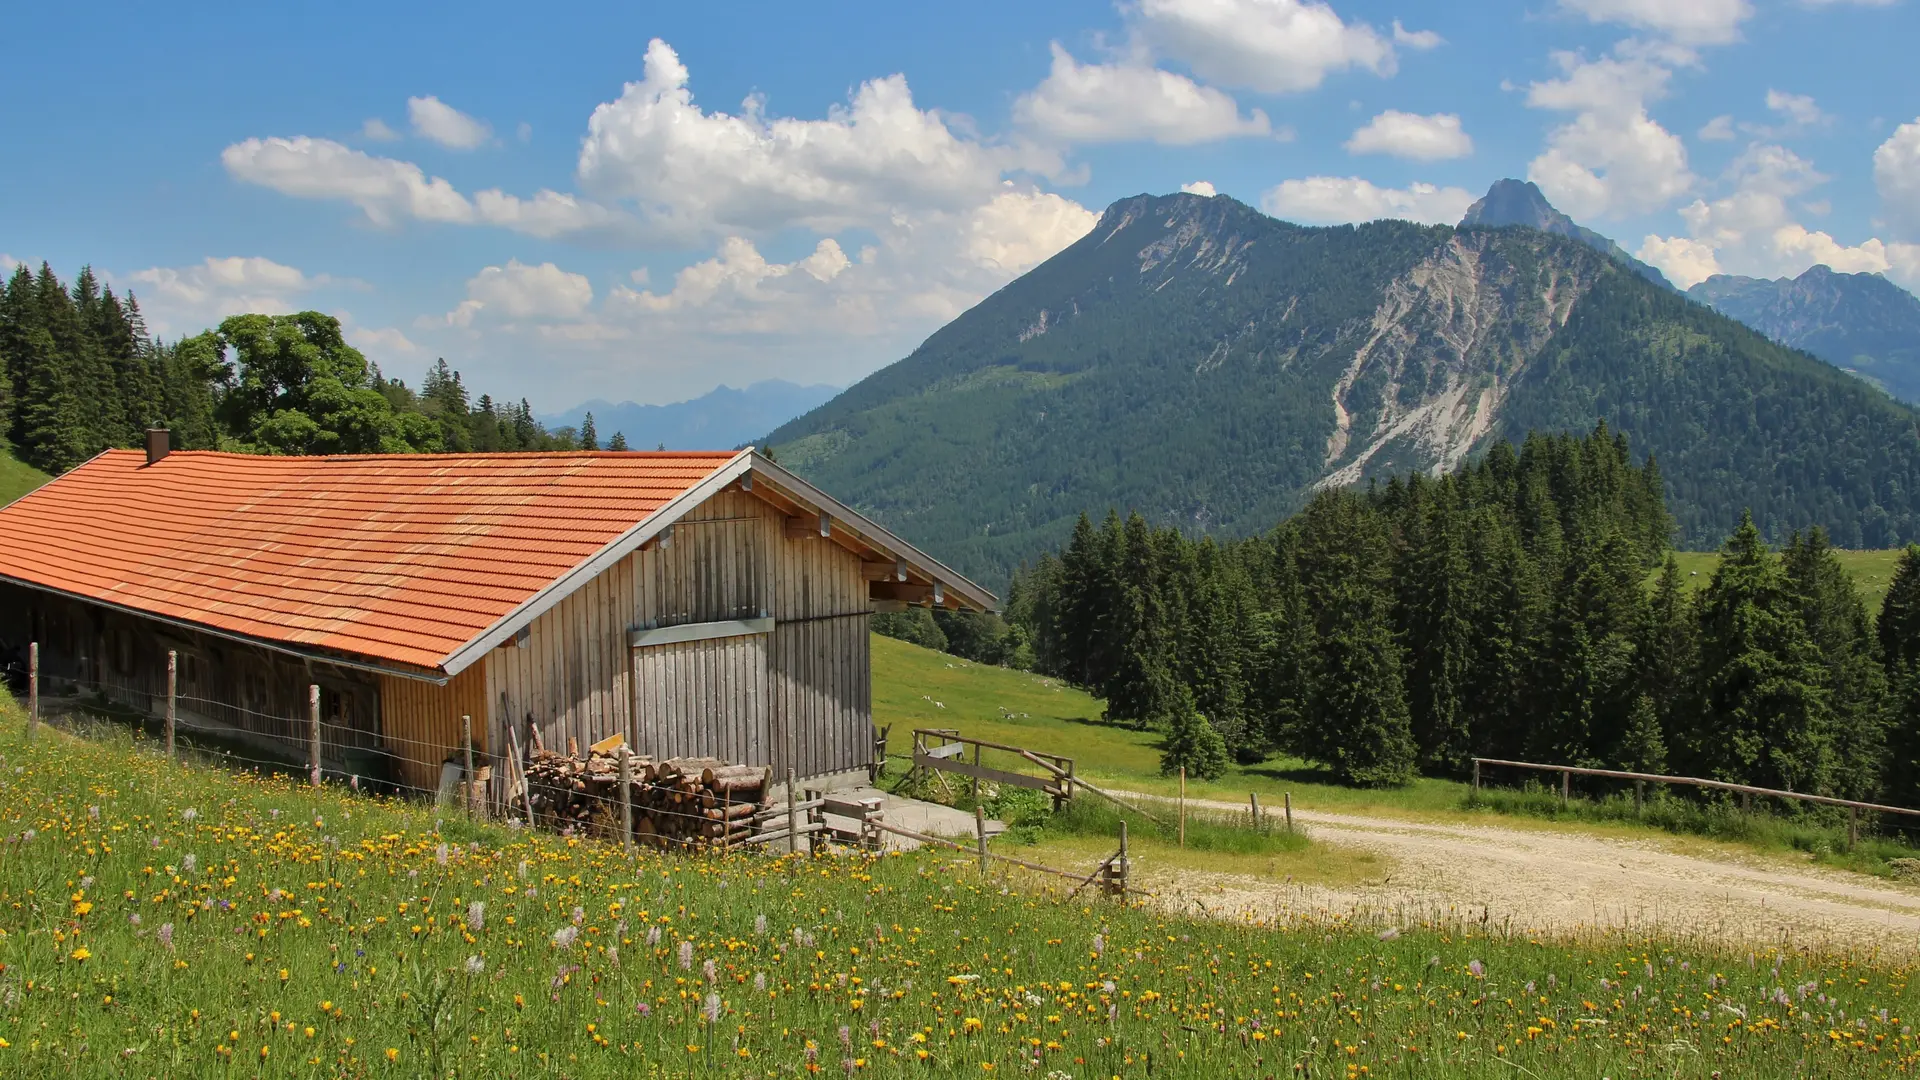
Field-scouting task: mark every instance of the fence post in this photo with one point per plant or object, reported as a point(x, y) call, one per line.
point(1288, 796)
point(1566, 787)
point(1639, 795)
point(980, 827)
point(33, 687)
point(173, 685)
point(1121, 862)
point(1253, 808)
point(626, 799)
point(313, 734)
point(1476, 777)
point(1853, 827)
point(793, 819)
point(466, 741)
point(1183, 806)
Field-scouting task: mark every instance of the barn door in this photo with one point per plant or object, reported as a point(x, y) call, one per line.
point(703, 699)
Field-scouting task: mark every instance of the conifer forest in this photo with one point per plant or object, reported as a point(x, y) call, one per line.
point(1526, 606)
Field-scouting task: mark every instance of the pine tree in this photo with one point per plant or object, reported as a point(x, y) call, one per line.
point(1510, 612)
point(1587, 669)
point(1765, 712)
point(618, 442)
point(589, 439)
point(1192, 742)
point(52, 431)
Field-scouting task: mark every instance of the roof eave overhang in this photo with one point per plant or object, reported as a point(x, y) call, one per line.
point(747, 464)
point(318, 656)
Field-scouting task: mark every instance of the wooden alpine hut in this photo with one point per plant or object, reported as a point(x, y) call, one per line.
point(696, 603)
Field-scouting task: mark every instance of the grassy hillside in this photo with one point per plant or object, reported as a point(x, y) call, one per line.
point(17, 477)
point(916, 687)
point(1871, 570)
point(160, 920)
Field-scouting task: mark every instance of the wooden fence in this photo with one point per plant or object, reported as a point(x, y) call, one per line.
point(1746, 791)
point(944, 750)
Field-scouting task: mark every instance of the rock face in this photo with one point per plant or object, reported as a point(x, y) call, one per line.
point(1212, 367)
point(1861, 323)
point(1519, 202)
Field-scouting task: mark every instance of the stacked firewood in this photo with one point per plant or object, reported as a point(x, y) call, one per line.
point(677, 801)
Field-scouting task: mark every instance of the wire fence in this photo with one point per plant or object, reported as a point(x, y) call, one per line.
point(73, 697)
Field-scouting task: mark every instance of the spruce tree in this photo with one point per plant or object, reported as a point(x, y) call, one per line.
point(1899, 625)
point(1436, 608)
point(1836, 620)
point(1138, 690)
point(1218, 628)
point(1192, 742)
point(1669, 667)
point(1356, 717)
point(1765, 713)
point(1643, 748)
point(618, 442)
point(589, 439)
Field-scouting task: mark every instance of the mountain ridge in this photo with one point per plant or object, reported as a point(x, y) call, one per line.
point(1211, 366)
point(1513, 202)
point(1860, 323)
point(720, 418)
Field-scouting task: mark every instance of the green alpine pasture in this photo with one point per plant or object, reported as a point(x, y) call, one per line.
point(181, 920)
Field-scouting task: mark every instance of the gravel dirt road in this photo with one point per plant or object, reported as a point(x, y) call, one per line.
point(1558, 882)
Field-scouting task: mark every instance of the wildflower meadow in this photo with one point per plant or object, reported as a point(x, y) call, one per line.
point(174, 920)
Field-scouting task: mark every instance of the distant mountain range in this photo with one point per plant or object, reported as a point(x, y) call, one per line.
point(720, 420)
point(1211, 366)
point(1519, 202)
point(1860, 322)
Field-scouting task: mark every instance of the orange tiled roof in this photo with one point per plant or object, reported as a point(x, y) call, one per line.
point(400, 558)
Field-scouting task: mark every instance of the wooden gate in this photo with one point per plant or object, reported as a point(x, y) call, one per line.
point(704, 699)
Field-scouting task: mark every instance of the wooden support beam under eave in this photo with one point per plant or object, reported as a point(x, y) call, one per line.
point(880, 571)
point(934, 594)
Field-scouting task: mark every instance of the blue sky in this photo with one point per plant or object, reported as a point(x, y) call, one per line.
point(644, 201)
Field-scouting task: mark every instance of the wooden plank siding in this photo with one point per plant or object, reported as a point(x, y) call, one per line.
point(422, 722)
point(575, 675)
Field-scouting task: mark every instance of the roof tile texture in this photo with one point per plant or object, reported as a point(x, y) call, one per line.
point(398, 558)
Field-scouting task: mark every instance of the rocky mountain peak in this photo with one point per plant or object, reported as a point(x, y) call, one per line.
point(1511, 202)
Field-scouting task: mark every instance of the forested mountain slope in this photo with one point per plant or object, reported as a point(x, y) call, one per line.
point(1211, 366)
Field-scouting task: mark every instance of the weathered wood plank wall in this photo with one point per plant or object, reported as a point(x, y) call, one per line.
point(421, 722)
point(575, 676)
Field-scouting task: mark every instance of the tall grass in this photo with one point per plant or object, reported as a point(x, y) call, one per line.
point(162, 920)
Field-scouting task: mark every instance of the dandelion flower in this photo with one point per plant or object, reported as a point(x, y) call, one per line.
point(475, 965)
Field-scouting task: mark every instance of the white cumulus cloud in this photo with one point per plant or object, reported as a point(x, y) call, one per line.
point(520, 291)
point(1896, 174)
point(1199, 187)
point(1090, 103)
point(1273, 46)
point(1707, 22)
point(1410, 135)
point(376, 130)
point(1718, 129)
point(389, 191)
point(440, 122)
point(1333, 200)
point(1612, 157)
point(187, 299)
point(1751, 229)
point(876, 157)
point(1416, 39)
